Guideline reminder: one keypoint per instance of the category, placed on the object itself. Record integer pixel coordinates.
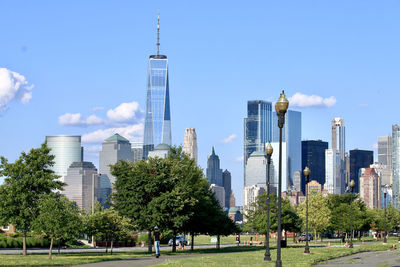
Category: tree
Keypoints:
(58, 219)
(319, 214)
(257, 215)
(26, 180)
(107, 225)
(158, 192)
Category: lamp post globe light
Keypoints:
(384, 204)
(352, 184)
(268, 151)
(307, 173)
(281, 107)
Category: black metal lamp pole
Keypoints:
(384, 203)
(281, 107)
(307, 175)
(268, 151)
(352, 184)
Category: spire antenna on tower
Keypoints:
(158, 34)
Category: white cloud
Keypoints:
(301, 100)
(240, 159)
(92, 150)
(75, 119)
(229, 139)
(126, 112)
(13, 86)
(131, 132)
(97, 109)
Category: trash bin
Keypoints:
(283, 244)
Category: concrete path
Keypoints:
(366, 259)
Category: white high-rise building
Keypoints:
(250, 194)
(385, 150)
(333, 179)
(190, 143)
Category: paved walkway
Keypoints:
(366, 259)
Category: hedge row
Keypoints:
(16, 242)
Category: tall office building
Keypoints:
(338, 144)
(66, 149)
(291, 135)
(114, 148)
(190, 143)
(257, 127)
(385, 150)
(219, 194)
(157, 125)
(359, 159)
(83, 185)
(333, 179)
(137, 150)
(227, 184)
(396, 164)
(313, 157)
(256, 169)
(213, 171)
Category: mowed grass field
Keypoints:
(291, 256)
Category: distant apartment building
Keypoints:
(385, 150)
(384, 172)
(370, 188)
(313, 187)
(250, 194)
(137, 150)
(160, 151)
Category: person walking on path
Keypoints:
(157, 238)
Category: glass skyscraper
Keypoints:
(257, 127)
(157, 126)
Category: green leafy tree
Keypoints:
(378, 218)
(58, 219)
(26, 180)
(108, 225)
(319, 214)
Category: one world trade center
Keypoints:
(157, 125)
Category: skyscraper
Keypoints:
(333, 180)
(66, 149)
(370, 187)
(338, 144)
(227, 183)
(256, 169)
(359, 159)
(396, 164)
(82, 185)
(213, 171)
(190, 143)
(291, 135)
(257, 127)
(385, 150)
(114, 148)
(313, 156)
(157, 125)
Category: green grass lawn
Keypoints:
(292, 256)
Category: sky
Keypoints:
(80, 67)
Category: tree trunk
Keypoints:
(111, 246)
(294, 238)
(59, 245)
(315, 236)
(106, 245)
(149, 249)
(174, 242)
(218, 241)
(192, 242)
(24, 244)
(51, 248)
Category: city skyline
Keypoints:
(88, 71)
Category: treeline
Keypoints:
(325, 215)
(170, 193)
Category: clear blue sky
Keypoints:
(88, 57)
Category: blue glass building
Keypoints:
(291, 134)
(157, 126)
(257, 127)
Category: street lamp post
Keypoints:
(281, 107)
(307, 175)
(352, 184)
(384, 203)
(268, 151)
